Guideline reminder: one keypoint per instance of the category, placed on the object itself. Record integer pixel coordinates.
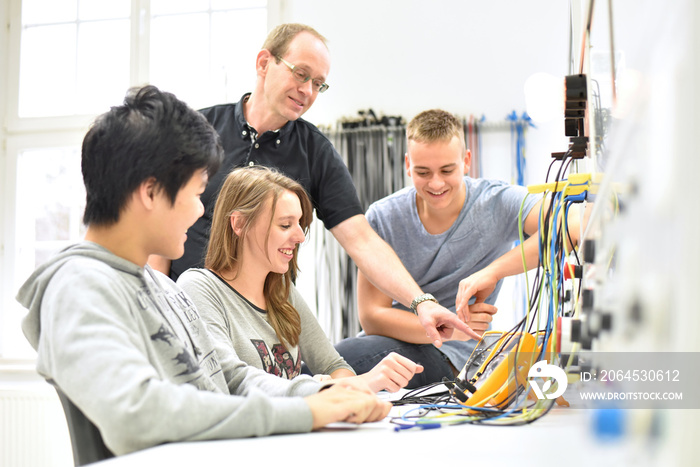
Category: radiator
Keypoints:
(33, 430)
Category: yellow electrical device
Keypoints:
(497, 368)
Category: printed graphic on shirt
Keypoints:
(186, 368)
(185, 358)
(279, 361)
(182, 352)
(164, 335)
(210, 363)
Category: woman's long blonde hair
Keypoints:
(247, 191)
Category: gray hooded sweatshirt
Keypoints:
(128, 347)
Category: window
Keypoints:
(70, 60)
(214, 61)
(74, 56)
(45, 217)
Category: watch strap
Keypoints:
(420, 299)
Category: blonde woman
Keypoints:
(245, 292)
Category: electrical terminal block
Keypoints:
(580, 178)
(596, 180)
(575, 185)
(540, 188)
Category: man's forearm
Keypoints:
(377, 260)
(388, 274)
(383, 268)
(394, 323)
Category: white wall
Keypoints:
(400, 57)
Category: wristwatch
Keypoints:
(420, 299)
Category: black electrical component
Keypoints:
(575, 109)
(575, 114)
(569, 359)
(576, 88)
(586, 299)
(578, 146)
(571, 126)
(455, 391)
(587, 343)
(635, 312)
(575, 330)
(578, 271)
(465, 385)
(589, 250)
(593, 324)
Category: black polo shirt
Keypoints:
(298, 149)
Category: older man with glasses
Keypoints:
(265, 128)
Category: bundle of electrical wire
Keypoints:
(435, 405)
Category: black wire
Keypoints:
(416, 396)
(434, 400)
(568, 234)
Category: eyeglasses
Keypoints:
(302, 76)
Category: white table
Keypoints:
(564, 436)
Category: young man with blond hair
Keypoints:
(444, 228)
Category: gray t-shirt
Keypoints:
(485, 229)
(235, 322)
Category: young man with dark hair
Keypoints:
(122, 341)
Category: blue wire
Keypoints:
(420, 426)
(517, 131)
